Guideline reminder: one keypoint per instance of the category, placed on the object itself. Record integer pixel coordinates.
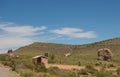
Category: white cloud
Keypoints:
(75, 33)
(9, 42)
(21, 30)
(13, 35)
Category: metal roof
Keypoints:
(40, 56)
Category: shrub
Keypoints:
(28, 65)
(100, 74)
(91, 69)
(104, 66)
(5, 63)
(98, 64)
(71, 75)
(2, 57)
(118, 71)
(79, 63)
(52, 59)
(54, 70)
(27, 75)
(112, 65)
(58, 72)
(13, 67)
(40, 67)
(104, 74)
(83, 72)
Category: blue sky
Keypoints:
(23, 22)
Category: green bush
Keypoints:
(83, 72)
(100, 74)
(98, 64)
(71, 75)
(2, 57)
(79, 63)
(27, 75)
(104, 74)
(58, 72)
(112, 65)
(54, 70)
(13, 67)
(40, 67)
(52, 59)
(118, 71)
(91, 69)
(28, 65)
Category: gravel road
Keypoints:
(5, 72)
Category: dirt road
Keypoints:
(5, 72)
(71, 67)
(66, 67)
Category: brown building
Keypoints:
(40, 59)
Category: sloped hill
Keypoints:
(80, 53)
(40, 48)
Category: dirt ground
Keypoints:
(6, 72)
(65, 67)
(71, 67)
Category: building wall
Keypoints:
(44, 60)
(41, 60)
(34, 60)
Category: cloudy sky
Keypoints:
(23, 22)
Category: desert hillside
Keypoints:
(81, 60)
(86, 53)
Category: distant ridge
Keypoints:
(52, 47)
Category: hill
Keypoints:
(86, 54)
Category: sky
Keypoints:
(76, 22)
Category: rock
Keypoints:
(104, 54)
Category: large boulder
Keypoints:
(104, 54)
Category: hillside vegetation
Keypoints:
(84, 54)
(82, 57)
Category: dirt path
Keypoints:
(5, 72)
(70, 67)
(65, 67)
